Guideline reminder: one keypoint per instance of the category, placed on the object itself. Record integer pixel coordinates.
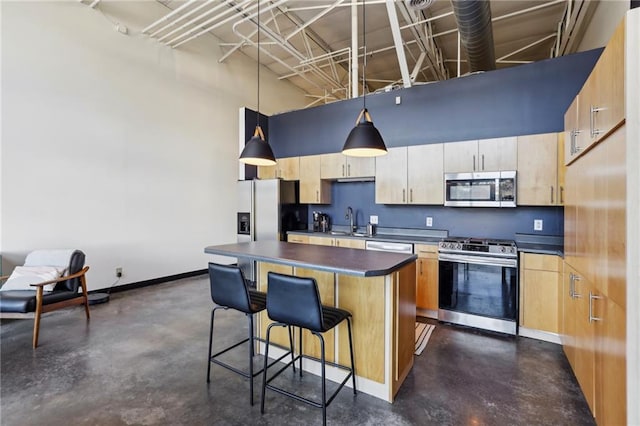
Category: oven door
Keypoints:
(480, 291)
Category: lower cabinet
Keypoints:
(594, 335)
(337, 242)
(300, 239)
(427, 280)
(540, 296)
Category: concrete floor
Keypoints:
(142, 361)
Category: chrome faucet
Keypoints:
(349, 216)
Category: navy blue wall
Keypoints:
(526, 99)
(459, 221)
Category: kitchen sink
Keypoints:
(339, 233)
(359, 234)
(353, 234)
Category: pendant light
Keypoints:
(364, 140)
(257, 151)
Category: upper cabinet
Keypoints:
(286, 169)
(538, 177)
(599, 107)
(410, 175)
(313, 190)
(481, 155)
(339, 166)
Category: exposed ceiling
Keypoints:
(310, 42)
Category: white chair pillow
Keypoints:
(23, 276)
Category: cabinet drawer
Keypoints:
(426, 250)
(541, 262)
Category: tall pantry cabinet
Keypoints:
(593, 308)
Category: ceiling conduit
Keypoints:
(476, 33)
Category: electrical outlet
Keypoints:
(429, 221)
(398, 100)
(118, 272)
(537, 225)
(373, 219)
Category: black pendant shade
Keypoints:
(364, 140)
(257, 151)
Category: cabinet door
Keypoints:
(425, 174)
(361, 167)
(350, 243)
(427, 284)
(461, 156)
(539, 295)
(569, 312)
(537, 170)
(611, 372)
(497, 154)
(562, 169)
(289, 168)
(391, 177)
(333, 166)
(609, 97)
(585, 343)
(268, 172)
(313, 190)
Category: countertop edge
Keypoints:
(277, 260)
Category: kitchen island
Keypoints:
(378, 288)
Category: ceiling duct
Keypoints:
(476, 33)
(418, 4)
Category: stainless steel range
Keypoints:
(478, 283)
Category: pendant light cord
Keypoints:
(364, 56)
(258, 106)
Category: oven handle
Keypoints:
(478, 260)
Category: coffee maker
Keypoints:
(321, 222)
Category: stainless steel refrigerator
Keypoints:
(267, 209)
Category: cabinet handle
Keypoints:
(574, 142)
(411, 195)
(343, 170)
(404, 195)
(348, 169)
(551, 194)
(317, 196)
(561, 195)
(593, 297)
(482, 161)
(571, 284)
(576, 295)
(337, 243)
(474, 163)
(421, 267)
(592, 121)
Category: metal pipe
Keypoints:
(476, 33)
(185, 16)
(166, 17)
(354, 51)
(197, 18)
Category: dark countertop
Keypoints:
(324, 258)
(557, 250)
(378, 237)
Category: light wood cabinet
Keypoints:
(337, 242)
(410, 175)
(300, 239)
(538, 170)
(481, 155)
(313, 190)
(427, 280)
(540, 292)
(286, 169)
(338, 166)
(599, 107)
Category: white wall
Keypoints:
(605, 20)
(116, 144)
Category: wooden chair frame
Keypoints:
(81, 299)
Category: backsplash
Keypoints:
(459, 221)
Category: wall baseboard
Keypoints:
(153, 281)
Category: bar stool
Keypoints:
(295, 301)
(229, 290)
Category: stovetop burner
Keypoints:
(478, 245)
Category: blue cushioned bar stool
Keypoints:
(229, 290)
(295, 301)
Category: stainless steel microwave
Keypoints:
(480, 189)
